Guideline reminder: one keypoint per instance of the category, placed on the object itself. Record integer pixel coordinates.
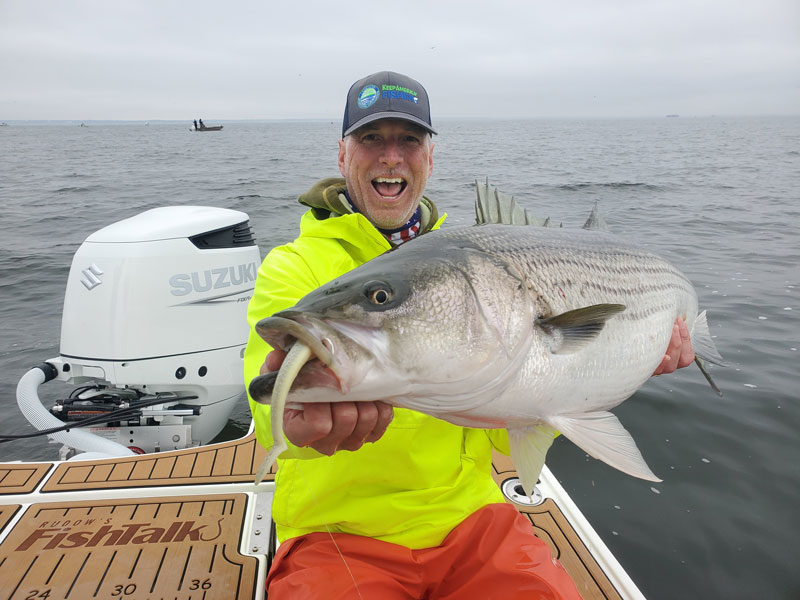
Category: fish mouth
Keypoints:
(343, 354)
(389, 188)
(283, 333)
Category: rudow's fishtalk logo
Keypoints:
(89, 533)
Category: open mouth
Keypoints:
(389, 187)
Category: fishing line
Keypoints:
(328, 529)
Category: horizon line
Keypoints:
(338, 118)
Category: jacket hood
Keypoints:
(327, 199)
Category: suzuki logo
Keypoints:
(204, 281)
(91, 277)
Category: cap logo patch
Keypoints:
(397, 91)
(368, 96)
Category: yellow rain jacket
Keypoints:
(424, 476)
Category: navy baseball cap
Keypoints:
(386, 95)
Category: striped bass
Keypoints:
(530, 329)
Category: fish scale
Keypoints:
(545, 261)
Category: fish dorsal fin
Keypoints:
(573, 329)
(493, 206)
(602, 436)
(596, 221)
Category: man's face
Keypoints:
(386, 165)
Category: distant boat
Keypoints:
(672, 116)
(206, 128)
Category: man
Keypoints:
(414, 512)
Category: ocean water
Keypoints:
(719, 197)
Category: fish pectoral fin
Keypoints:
(529, 446)
(601, 435)
(572, 330)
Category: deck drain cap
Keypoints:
(512, 489)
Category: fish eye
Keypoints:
(380, 296)
(377, 292)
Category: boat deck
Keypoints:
(191, 525)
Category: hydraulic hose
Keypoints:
(31, 406)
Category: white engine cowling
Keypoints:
(157, 303)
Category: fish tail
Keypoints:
(702, 343)
(704, 349)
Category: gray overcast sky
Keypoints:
(163, 59)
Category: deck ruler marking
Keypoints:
(185, 566)
(135, 562)
(211, 564)
(78, 574)
(105, 572)
(25, 574)
(53, 572)
(158, 570)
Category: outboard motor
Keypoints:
(154, 329)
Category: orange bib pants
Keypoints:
(493, 554)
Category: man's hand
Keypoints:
(679, 351)
(330, 426)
